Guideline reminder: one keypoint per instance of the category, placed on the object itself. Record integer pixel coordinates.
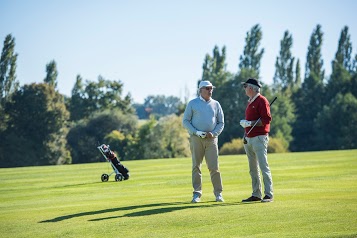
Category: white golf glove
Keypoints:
(201, 134)
(245, 123)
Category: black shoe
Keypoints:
(267, 199)
(252, 199)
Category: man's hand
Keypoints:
(209, 135)
(201, 134)
(245, 123)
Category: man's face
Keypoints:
(248, 89)
(206, 92)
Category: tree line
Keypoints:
(40, 126)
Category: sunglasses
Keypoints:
(208, 88)
(245, 86)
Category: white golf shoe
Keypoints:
(219, 198)
(196, 198)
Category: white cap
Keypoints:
(205, 84)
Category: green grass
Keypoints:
(315, 196)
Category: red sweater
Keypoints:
(259, 108)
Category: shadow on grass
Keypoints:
(164, 208)
(75, 185)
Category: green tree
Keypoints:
(314, 62)
(284, 65)
(120, 143)
(76, 102)
(231, 94)
(283, 118)
(8, 83)
(140, 148)
(342, 67)
(98, 96)
(284, 85)
(233, 100)
(342, 108)
(161, 105)
(344, 52)
(37, 124)
(309, 98)
(84, 137)
(252, 55)
(354, 84)
(297, 83)
(165, 138)
(51, 74)
(214, 67)
(214, 70)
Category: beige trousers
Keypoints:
(208, 148)
(257, 152)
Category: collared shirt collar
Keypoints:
(204, 99)
(252, 100)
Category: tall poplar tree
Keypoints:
(342, 67)
(214, 67)
(283, 86)
(297, 83)
(284, 65)
(314, 62)
(309, 98)
(51, 74)
(252, 55)
(76, 103)
(8, 83)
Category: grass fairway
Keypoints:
(315, 196)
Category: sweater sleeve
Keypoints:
(187, 118)
(220, 121)
(264, 111)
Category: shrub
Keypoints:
(276, 145)
(232, 148)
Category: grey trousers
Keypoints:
(208, 148)
(257, 152)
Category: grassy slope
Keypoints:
(315, 196)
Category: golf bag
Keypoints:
(121, 172)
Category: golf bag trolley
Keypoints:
(120, 171)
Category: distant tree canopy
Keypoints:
(36, 129)
(158, 106)
(90, 97)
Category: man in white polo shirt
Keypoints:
(204, 121)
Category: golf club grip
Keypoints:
(259, 117)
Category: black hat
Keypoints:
(253, 82)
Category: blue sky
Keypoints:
(158, 47)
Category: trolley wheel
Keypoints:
(105, 177)
(119, 177)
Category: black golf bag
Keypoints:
(121, 172)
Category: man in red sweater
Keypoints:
(256, 141)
